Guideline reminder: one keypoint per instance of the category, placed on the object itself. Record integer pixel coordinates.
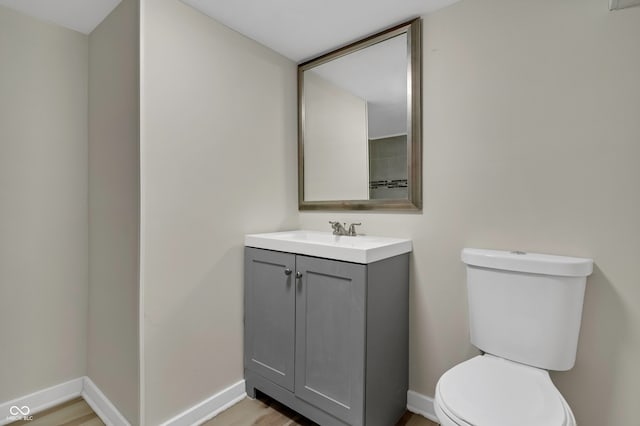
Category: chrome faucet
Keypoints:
(339, 228)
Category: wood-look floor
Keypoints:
(262, 411)
(71, 413)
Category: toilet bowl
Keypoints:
(525, 312)
(490, 391)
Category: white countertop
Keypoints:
(358, 249)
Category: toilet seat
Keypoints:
(491, 391)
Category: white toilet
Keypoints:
(524, 314)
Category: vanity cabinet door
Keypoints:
(270, 315)
(330, 336)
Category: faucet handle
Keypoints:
(352, 229)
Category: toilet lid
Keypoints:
(487, 390)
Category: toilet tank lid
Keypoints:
(534, 263)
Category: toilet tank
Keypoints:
(526, 307)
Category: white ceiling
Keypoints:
(298, 29)
(303, 29)
(79, 15)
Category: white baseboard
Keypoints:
(210, 407)
(55, 395)
(421, 404)
(40, 400)
(107, 412)
(199, 413)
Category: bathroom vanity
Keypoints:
(326, 325)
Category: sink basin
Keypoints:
(359, 249)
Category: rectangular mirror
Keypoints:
(359, 124)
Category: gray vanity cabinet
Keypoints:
(328, 338)
(269, 312)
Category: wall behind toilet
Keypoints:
(531, 142)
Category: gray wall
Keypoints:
(218, 152)
(114, 168)
(531, 142)
(43, 204)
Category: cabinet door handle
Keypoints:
(298, 274)
(287, 271)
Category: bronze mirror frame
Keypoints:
(413, 31)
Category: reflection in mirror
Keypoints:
(359, 139)
(355, 117)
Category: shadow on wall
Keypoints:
(603, 333)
